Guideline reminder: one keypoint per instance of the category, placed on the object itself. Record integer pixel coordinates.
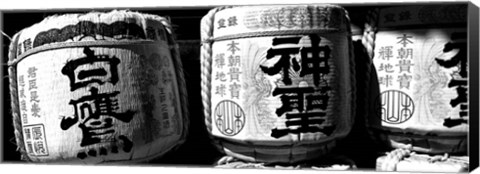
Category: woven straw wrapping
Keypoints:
(97, 88)
(418, 36)
(403, 160)
(244, 123)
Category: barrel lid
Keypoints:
(71, 29)
(262, 20)
(422, 16)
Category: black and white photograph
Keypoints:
(243, 86)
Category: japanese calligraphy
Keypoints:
(32, 87)
(304, 107)
(396, 72)
(220, 76)
(21, 83)
(35, 140)
(294, 99)
(32, 72)
(91, 111)
(27, 133)
(21, 95)
(405, 53)
(235, 90)
(29, 147)
(96, 111)
(285, 58)
(220, 90)
(460, 59)
(232, 21)
(220, 60)
(404, 40)
(35, 109)
(23, 108)
(222, 22)
(386, 67)
(459, 78)
(316, 64)
(404, 81)
(106, 72)
(386, 80)
(390, 17)
(38, 135)
(228, 71)
(404, 15)
(27, 44)
(233, 47)
(234, 74)
(233, 61)
(386, 52)
(404, 65)
(23, 105)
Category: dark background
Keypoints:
(197, 150)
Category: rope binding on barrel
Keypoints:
(206, 61)
(14, 59)
(17, 122)
(61, 45)
(270, 33)
(397, 155)
(370, 31)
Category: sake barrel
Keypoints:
(420, 55)
(277, 81)
(97, 88)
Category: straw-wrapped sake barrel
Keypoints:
(277, 81)
(420, 55)
(97, 87)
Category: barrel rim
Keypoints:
(418, 133)
(60, 45)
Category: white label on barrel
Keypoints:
(423, 79)
(96, 104)
(279, 88)
(413, 16)
(35, 140)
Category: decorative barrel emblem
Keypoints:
(230, 118)
(396, 106)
